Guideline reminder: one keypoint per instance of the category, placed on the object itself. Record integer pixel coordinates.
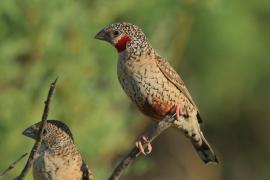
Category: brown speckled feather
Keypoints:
(174, 78)
(87, 174)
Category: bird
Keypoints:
(154, 86)
(57, 158)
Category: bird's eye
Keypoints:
(115, 33)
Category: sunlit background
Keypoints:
(221, 49)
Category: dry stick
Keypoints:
(40, 132)
(135, 152)
(11, 166)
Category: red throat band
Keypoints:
(122, 42)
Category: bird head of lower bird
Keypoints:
(56, 134)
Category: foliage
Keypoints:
(220, 47)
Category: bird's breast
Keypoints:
(147, 87)
(52, 167)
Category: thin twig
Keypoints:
(135, 152)
(11, 166)
(40, 132)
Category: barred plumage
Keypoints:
(152, 84)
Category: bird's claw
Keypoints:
(180, 111)
(140, 143)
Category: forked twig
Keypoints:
(11, 166)
(40, 132)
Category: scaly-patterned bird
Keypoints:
(57, 157)
(155, 87)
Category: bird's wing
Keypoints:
(174, 78)
(87, 174)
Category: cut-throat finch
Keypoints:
(154, 86)
(57, 158)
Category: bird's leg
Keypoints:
(140, 142)
(179, 112)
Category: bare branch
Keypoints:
(134, 152)
(40, 132)
(11, 166)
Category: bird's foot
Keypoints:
(180, 111)
(140, 143)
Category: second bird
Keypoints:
(153, 85)
(57, 157)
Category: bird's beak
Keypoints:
(31, 131)
(103, 35)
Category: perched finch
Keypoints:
(153, 85)
(57, 157)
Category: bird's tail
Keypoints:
(204, 150)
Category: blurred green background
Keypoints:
(221, 48)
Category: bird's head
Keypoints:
(123, 36)
(55, 134)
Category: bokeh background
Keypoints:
(221, 49)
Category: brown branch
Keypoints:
(134, 152)
(11, 166)
(40, 132)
